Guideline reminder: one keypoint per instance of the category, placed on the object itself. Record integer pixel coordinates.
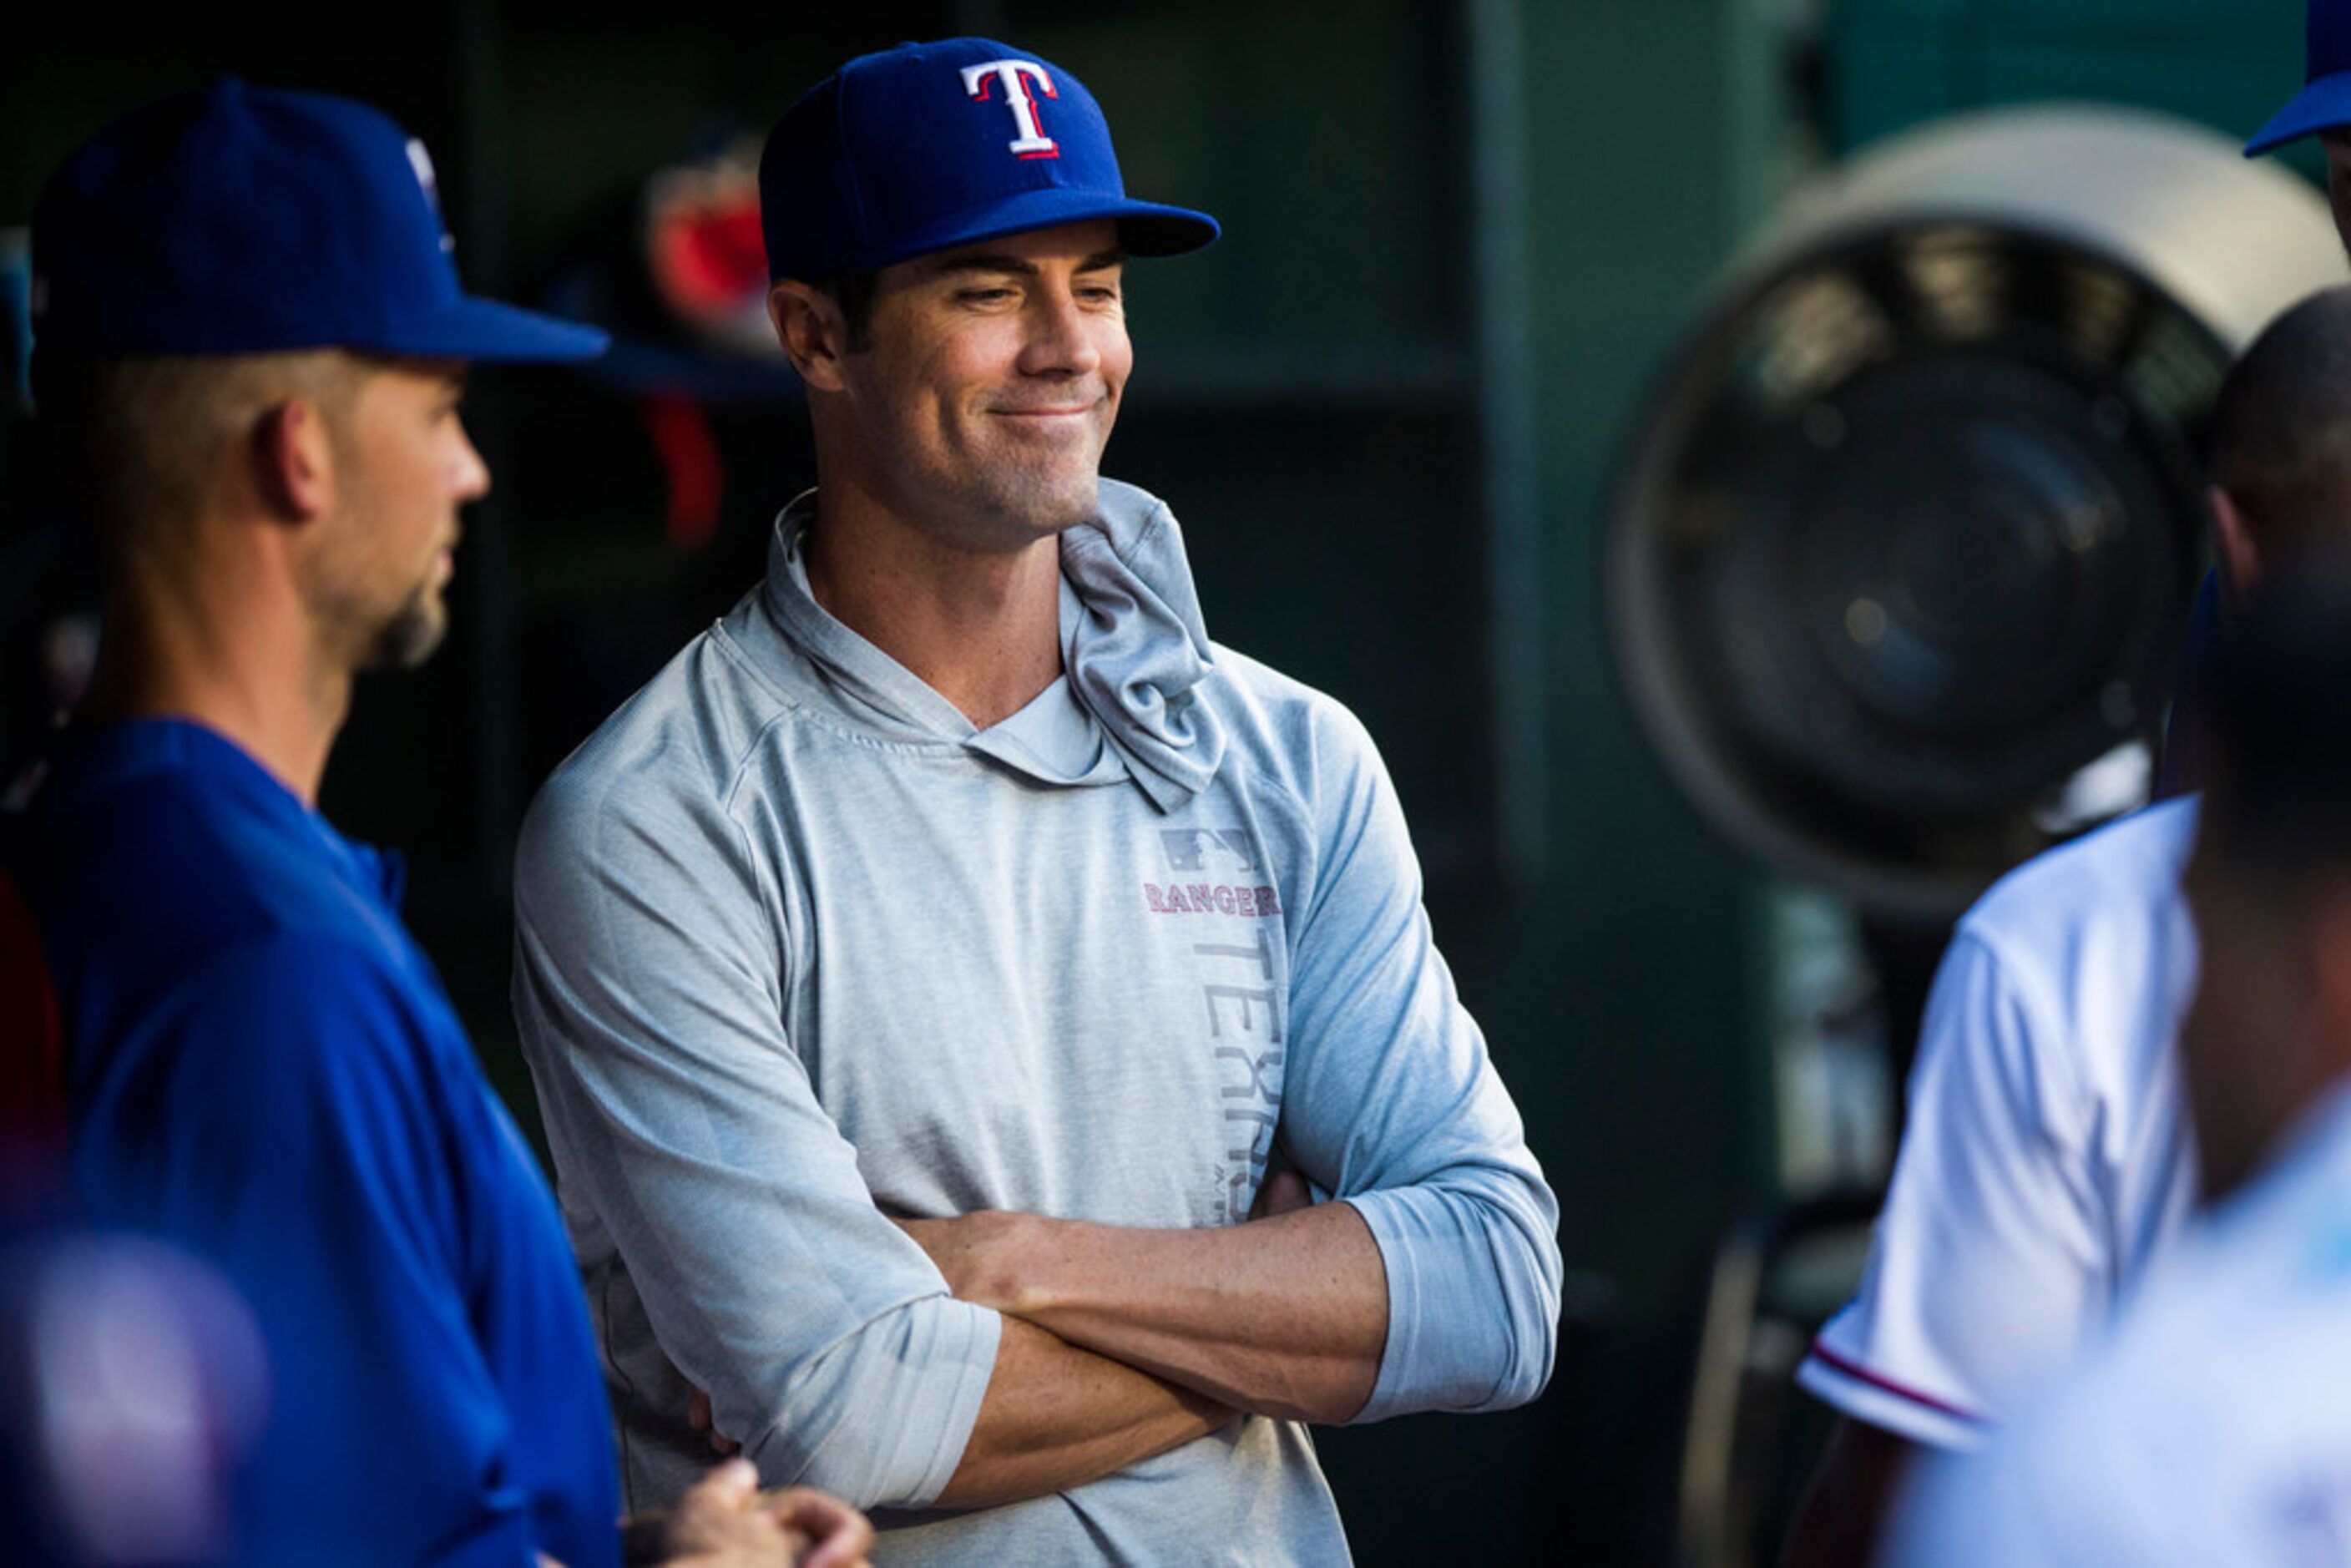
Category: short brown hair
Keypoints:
(135, 438)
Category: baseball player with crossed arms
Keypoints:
(920, 973)
(2047, 1161)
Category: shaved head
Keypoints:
(2282, 431)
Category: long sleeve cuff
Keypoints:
(883, 1418)
(1473, 1302)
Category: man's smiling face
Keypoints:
(980, 407)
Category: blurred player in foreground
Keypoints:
(2046, 1159)
(2212, 1428)
(251, 346)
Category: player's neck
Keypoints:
(980, 628)
(244, 663)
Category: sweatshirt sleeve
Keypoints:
(1393, 1104)
(648, 989)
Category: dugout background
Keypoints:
(1458, 237)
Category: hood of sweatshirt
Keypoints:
(1133, 653)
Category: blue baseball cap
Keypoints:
(245, 220)
(928, 146)
(2325, 102)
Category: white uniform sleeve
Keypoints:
(648, 992)
(1391, 1102)
(1990, 1260)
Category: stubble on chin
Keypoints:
(412, 634)
(1065, 506)
(1016, 507)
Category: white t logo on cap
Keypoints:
(1032, 141)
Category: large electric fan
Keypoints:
(1902, 558)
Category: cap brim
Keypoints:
(2322, 106)
(1147, 228)
(484, 329)
(1144, 228)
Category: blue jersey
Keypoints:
(262, 1067)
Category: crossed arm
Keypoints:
(1060, 1351)
(1120, 1344)
(1284, 1316)
(1056, 1417)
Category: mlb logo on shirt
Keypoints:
(1200, 849)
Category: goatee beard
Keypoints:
(409, 638)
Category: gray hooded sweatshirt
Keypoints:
(799, 950)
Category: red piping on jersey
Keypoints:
(1861, 1373)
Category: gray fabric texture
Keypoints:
(799, 950)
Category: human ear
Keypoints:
(812, 330)
(293, 461)
(2241, 563)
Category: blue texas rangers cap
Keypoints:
(242, 220)
(926, 146)
(2325, 101)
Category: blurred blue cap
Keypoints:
(244, 220)
(2325, 101)
(928, 146)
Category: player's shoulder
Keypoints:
(153, 846)
(675, 747)
(293, 980)
(1272, 697)
(258, 1029)
(2122, 876)
(1281, 728)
